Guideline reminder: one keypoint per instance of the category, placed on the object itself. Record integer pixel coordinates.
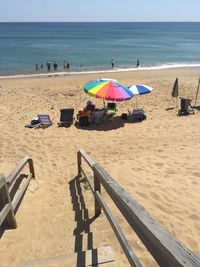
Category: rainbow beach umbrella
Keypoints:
(108, 89)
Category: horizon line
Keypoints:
(164, 21)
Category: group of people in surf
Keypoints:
(66, 66)
(113, 63)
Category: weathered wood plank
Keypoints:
(31, 167)
(166, 250)
(11, 177)
(97, 188)
(132, 258)
(89, 161)
(21, 192)
(96, 203)
(79, 163)
(4, 213)
(2, 181)
(9, 220)
(88, 179)
(117, 230)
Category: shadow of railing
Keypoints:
(164, 248)
(83, 223)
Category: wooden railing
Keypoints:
(8, 205)
(165, 249)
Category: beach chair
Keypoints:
(111, 109)
(186, 107)
(137, 115)
(44, 121)
(66, 117)
(98, 116)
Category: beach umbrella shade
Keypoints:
(140, 89)
(108, 89)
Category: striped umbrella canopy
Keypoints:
(108, 89)
(139, 89)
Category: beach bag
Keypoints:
(83, 121)
(35, 121)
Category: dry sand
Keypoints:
(156, 161)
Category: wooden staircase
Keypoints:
(95, 257)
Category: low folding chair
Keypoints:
(111, 109)
(66, 117)
(44, 121)
(186, 107)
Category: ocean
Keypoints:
(90, 47)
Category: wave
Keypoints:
(81, 72)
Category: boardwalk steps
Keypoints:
(94, 257)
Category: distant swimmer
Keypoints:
(64, 65)
(48, 65)
(41, 66)
(68, 64)
(55, 65)
(112, 63)
(138, 63)
(36, 67)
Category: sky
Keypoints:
(98, 10)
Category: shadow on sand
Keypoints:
(109, 124)
(82, 229)
(171, 108)
(196, 107)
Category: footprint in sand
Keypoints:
(194, 217)
(170, 171)
(159, 164)
(196, 174)
(155, 196)
(141, 194)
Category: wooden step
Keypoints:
(95, 257)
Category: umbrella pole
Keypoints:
(104, 103)
(136, 102)
(197, 92)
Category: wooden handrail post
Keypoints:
(79, 163)
(31, 167)
(97, 187)
(9, 221)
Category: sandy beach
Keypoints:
(156, 161)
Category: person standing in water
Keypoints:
(112, 63)
(68, 65)
(138, 63)
(65, 65)
(48, 65)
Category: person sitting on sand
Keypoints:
(89, 106)
(87, 111)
